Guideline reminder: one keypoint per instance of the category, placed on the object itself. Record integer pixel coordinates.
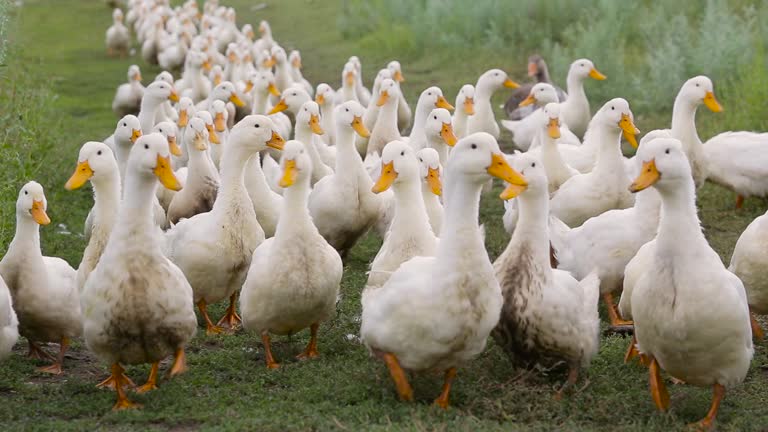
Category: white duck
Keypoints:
(266, 202)
(363, 94)
(308, 132)
(548, 315)
(372, 110)
(558, 171)
(118, 39)
(154, 96)
(220, 114)
(128, 96)
(410, 233)
(294, 278)
(465, 101)
(575, 109)
(691, 314)
(324, 96)
(605, 187)
(294, 58)
(214, 249)
(385, 128)
(169, 131)
(429, 99)
(9, 323)
(525, 132)
(438, 130)
(186, 111)
(137, 305)
(736, 160)
(348, 81)
(404, 115)
(431, 172)
(484, 119)
(44, 289)
(748, 262)
(398, 318)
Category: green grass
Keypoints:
(55, 94)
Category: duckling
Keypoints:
(465, 100)
(137, 304)
(128, 96)
(9, 323)
(431, 172)
(118, 38)
(484, 120)
(294, 277)
(548, 315)
(44, 289)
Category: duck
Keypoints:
(186, 111)
(558, 171)
(370, 118)
(385, 127)
(537, 69)
(202, 181)
(294, 58)
(548, 315)
(363, 94)
(225, 92)
(128, 96)
(324, 96)
(96, 163)
(342, 205)
(137, 305)
(194, 84)
(214, 249)
(575, 109)
(265, 42)
(484, 120)
(431, 172)
(605, 187)
(465, 100)
(154, 96)
(218, 110)
(308, 132)
(748, 263)
(173, 56)
(9, 322)
(44, 289)
(283, 78)
(438, 129)
(294, 277)
(169, 131)
(404, 115)
(398, 318)
(429, 99)
(525, 132)
(266, 202)
(118, 38)
(410, 233)
(691, 314)
(213, 136)
(166, 112)
(347, 91)
(734, 160)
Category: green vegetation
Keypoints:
(55, 94)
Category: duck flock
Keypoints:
(245, 216)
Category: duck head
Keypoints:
(430, 170)
(32, 203)
(350, 115)
(295, 164)
(95, 162)
(551, 121)
(698, 90)
(256, 133)
(169, 131)
(128, 130)
(161, 91)
(540, 95)
(433, 98)
(664, 165)
(583, 68)
(616, 114)
(535, 176)
(324, 94)
(150, 157)
(186, 110)
(292, 99)
(477, 158)
(398, 165)
(226, 92)
(438, 125)
(309, 115)
(495, 79)
(197, 134)
(466, 99)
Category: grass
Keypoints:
(55, 94)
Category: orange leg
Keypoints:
(718, 393)
(55, 368)
(231, 319)
(151, 381)
(757, 329)
(739, 201)
(122, 400)
(179, 363)
(311, 350)
(613, 313)
(118, 377)
(404, 389)
(658, 388)
(37, 353)
(210, 328)
(271, 363)
(573, 375)
(442, 400)
(632, 351)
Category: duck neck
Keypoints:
(295, 204)
(106, 200)
(348, 161)
(679, 226)
(460, 230)
(260, 99)
(135, 219)
(684, 124)
(532, 230)
(542, 74)
(305, 136)
(409, 206)
(26, 240)
(609, 158)
(199, 168)
(348, 92)
(550, 153)
(122, 152)
(147, 113)
(232, 189)
(437, 143)
(576, 89)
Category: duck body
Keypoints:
(128, 96)
(748, 262)
(736, 160)
(9, 322)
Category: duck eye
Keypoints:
(421, 160)
(435, 117)
(256, 125)
(146, 146)
(474, 146)
(346, 109)
(613, 108)
(533, 165)
(26, 193)
(697, 84)
(666, 151)
(125, 124)
(402, 153)
(98, 153)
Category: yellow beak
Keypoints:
(469, 106)
(314, 124)
(207, 65)
(280, 107)
(433, 179)
(248, 86)
(165, 174)
(595, 74)
(531, 99)
(712, 103)
(173, 147)
(387, 177)
(512, 191)
(83, 172)
(320, 99)
(137, 77)
(135, 134)
(276, 142)
(212, 136)
(200, 142)
(232, 57)
(217, 80)
(350, 78)
(174, 97)
(273, 90)
(648, 176)
(359, 127)
(289, 174)
(628, 129)
(236, 100)
(508, 83)
(446, 133)
(383, 98)
(268, 63)
(183, 118)
(443, 103)
(38, 213)
(219, 123)
(296, 63)
(499, 168)
(399, 76)
(554, 128)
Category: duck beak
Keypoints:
(173, 97)
(207, 65)
(296, 63)
(236, 100)
(216, 80)
(595, 74)
(314, 124)
(712, 103)
(508, 83)
(350, 77)
(173, 147)
(512, 191)
(289, 174)
(137, 77)
(280, 107)
(387, 177)
(531, 99)
(135, 134)
(276, 142)
(383, 98)
(200, 142)
(38, 213)
(218, 122)
(359, 127)
(165, 174)
(628, 129)
(232, 57)
(212, 136)
(320, 99)
(469, 106)
(399, 76)
(268, 63)
(273, 90)
(183, 118)
(499, 168)
(82, 174)
(554, 128)
(443, 103)
(648, 176)
(532, 69)
(433, 180)
(248, 86)
(446, 133)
